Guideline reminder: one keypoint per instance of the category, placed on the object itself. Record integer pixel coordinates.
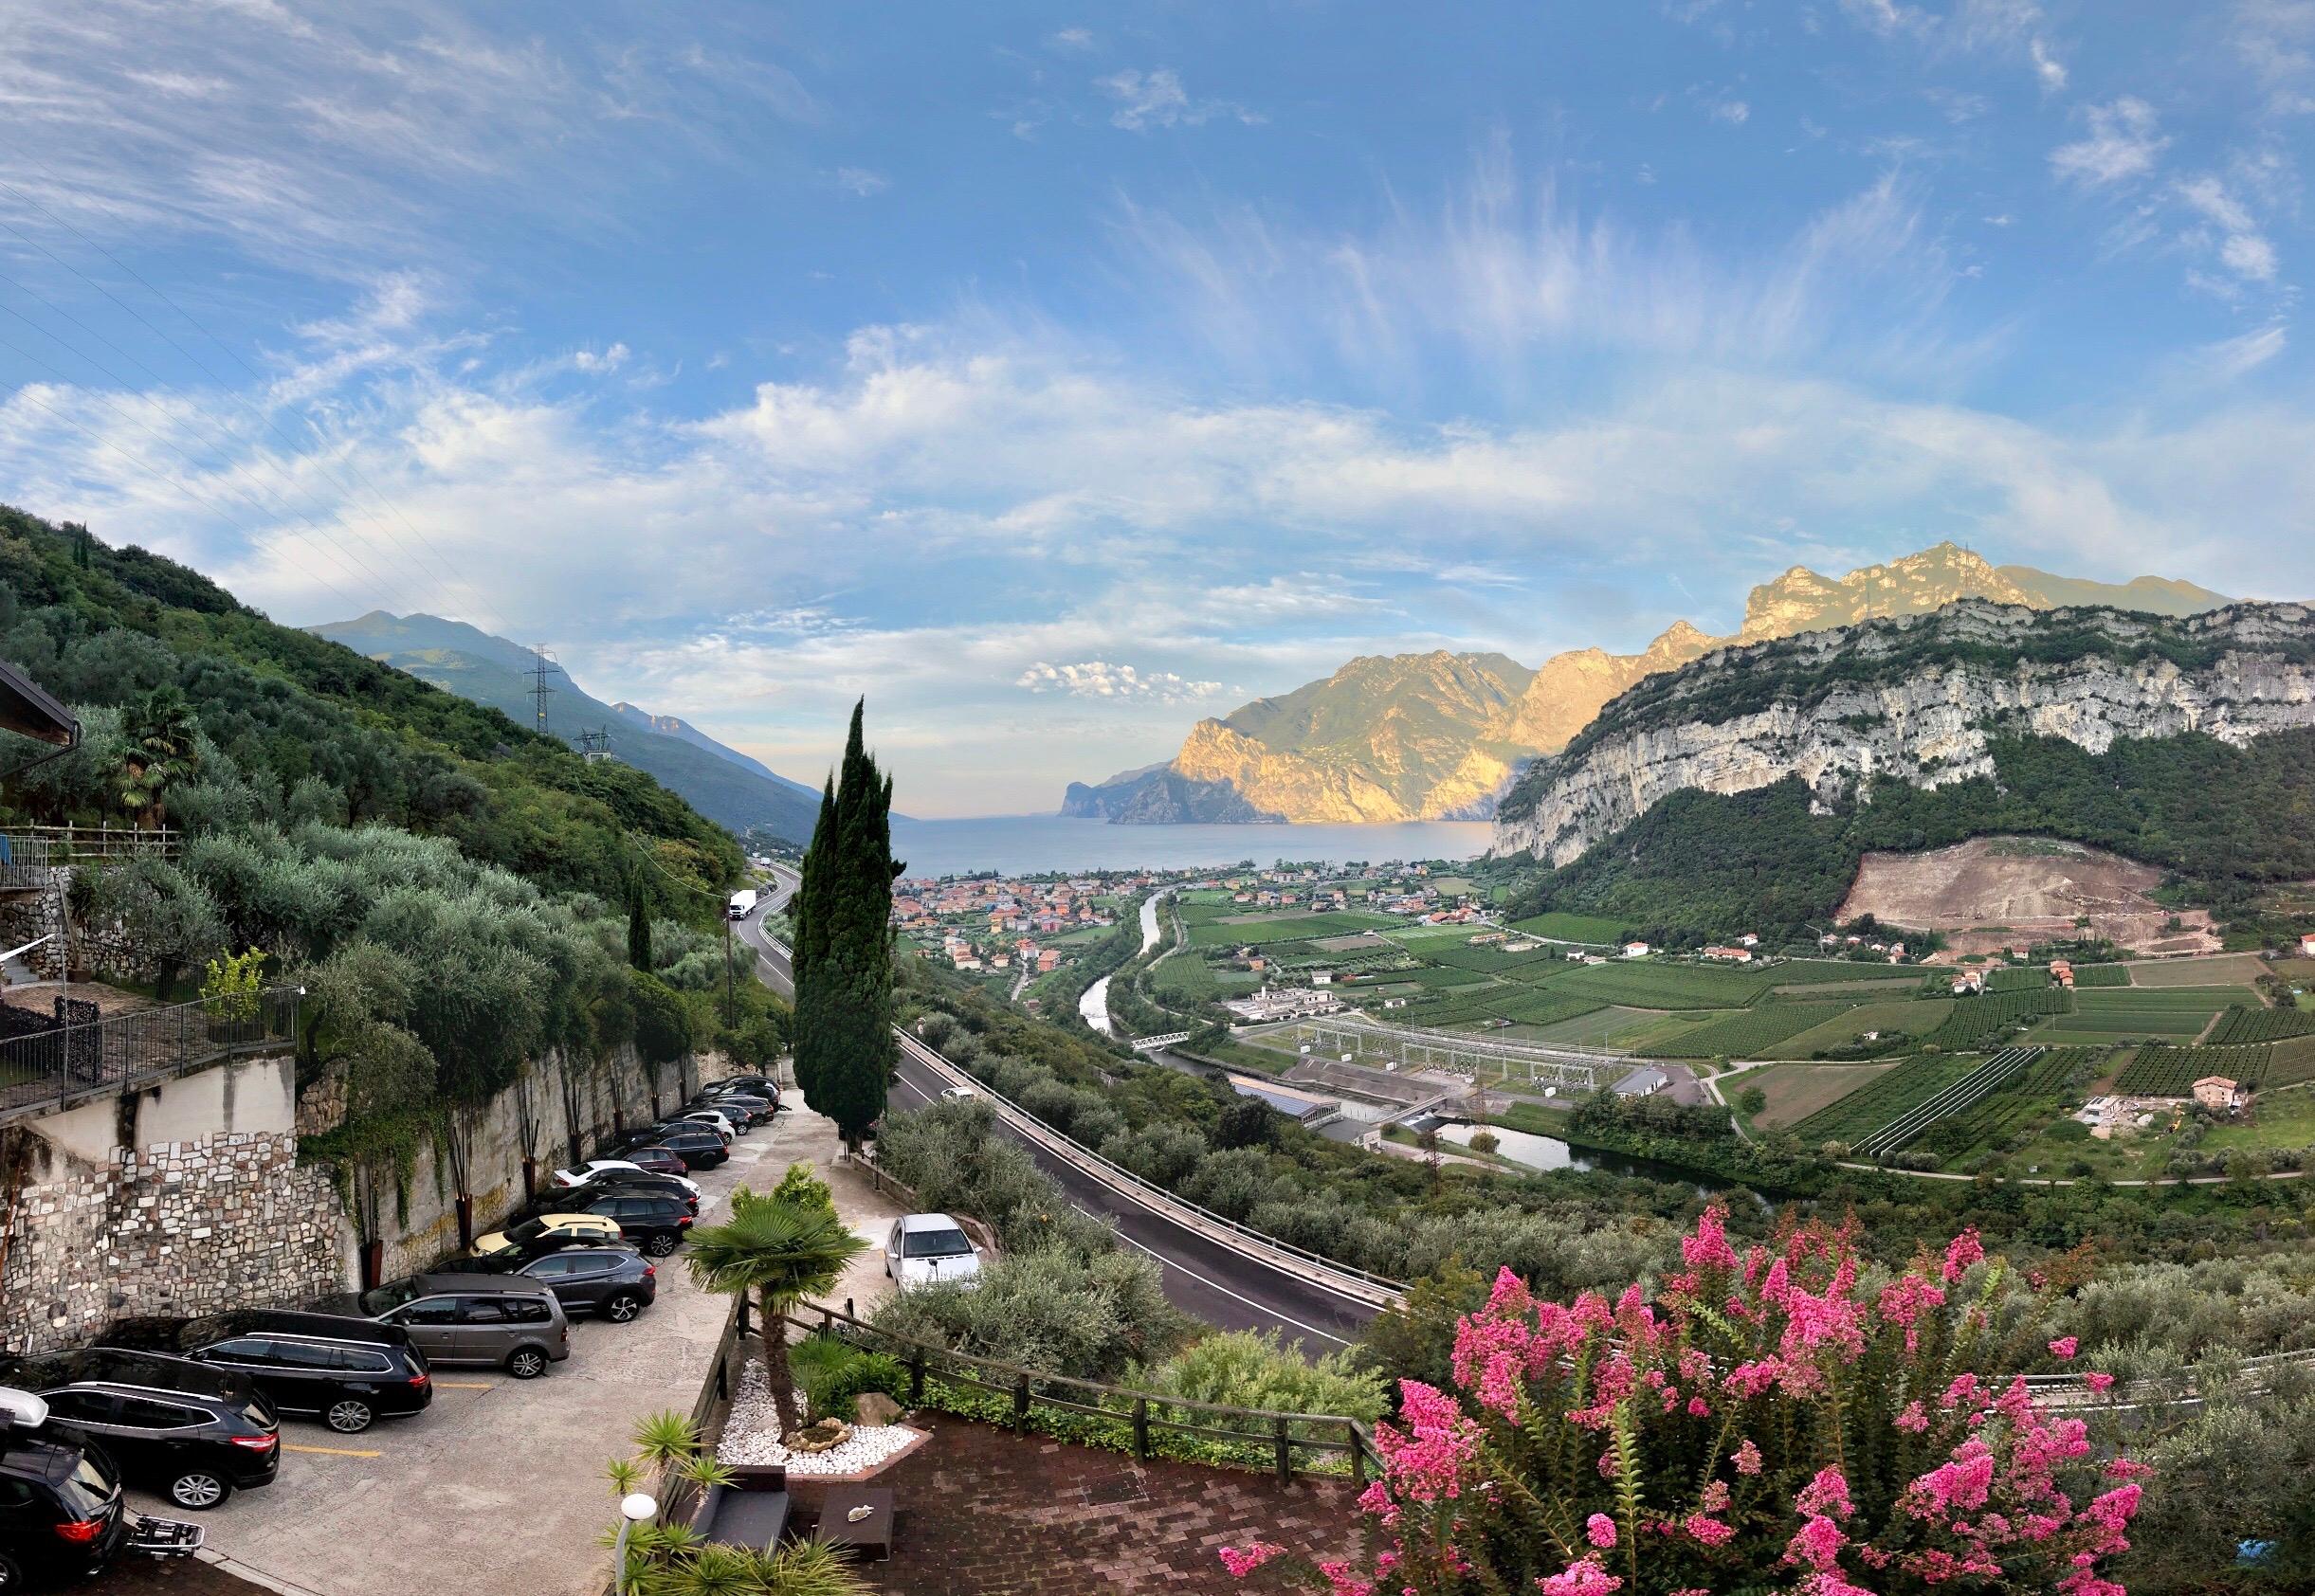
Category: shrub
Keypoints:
(1241, 1368)
(1050, 1310)
(1763, 1424)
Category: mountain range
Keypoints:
(1441, 736)
(721, 783)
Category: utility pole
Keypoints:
(542, 666)
(595, 745)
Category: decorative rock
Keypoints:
(875, 1407)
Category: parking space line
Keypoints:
(465, 1385)
(329, 1451)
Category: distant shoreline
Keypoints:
(1025, 844)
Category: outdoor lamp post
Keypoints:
(636, 1508)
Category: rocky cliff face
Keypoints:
(1916, 698)
(1428, 736)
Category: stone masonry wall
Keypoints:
(177, 1227)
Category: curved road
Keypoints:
(1202, 1277)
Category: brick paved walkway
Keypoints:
(982, 1511)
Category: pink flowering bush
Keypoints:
(1762, 1424)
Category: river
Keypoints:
(1094, 1004)
(1532, 1152)
(1034, 845)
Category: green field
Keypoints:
(2171, 1072)
(2241, 1025)
(1885, 1015)
(1886, 1099)
(1644, 985)
(1750, 1033)
(1572, 928)
(2028, 1097)
(1793, 971)
(1258, 931)
(1974, 1022)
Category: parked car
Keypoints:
(761, 1085)
(626, 1180)
(342, 1369)
(924, 1248)
(744, 1114)
(490, 1319)
(765, 1101)
(598, 1171)
(615, 1283)
(647, 1220)
(659, 1160)
(698, 1147)
(729, 1122)
(61, 1516)
(705, 1119)
(540, 1234)
(193, 1432)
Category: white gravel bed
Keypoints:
(751, 1436)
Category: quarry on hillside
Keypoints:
(1996, 892)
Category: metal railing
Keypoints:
(1361, 1284)
(74, 1058)
(1288, 1443)
(27, 853)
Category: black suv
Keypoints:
(61, 1512)
(698, 1147)
(614, 1284)
(346, 1371)
(604, 1182)
(195, 1433)
(647, 1220)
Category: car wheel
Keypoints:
(526, 1363)
(197, 1490)
(348, 1416)
(622, 1308)
(663, 1243)
(12, 1573)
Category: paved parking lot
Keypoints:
(499, 1486)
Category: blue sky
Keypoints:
(1056, 375)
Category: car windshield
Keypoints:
(934, 1244)
(384, 1299)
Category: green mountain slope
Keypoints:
(299, 725)
(721, 782)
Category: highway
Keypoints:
(1203, 1277)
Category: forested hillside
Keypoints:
(456, 894)
(2226, 820)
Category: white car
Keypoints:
(924, 1249)
(580, 1174)
(958, 1094)
(713, 1120)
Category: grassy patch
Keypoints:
(1641, 985)
(1751, 1032)
(1848, 1025)
(2232, 969)
(1564, 927)
(1797, 1091)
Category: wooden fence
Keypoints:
(1293, 1442)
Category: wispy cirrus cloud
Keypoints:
(1157, 98)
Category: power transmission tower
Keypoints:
(542, 666)
(595, 745)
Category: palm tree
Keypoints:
(160, 737)
(784, 1251)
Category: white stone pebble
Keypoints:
(751, 1434)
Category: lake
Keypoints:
(1032, 844)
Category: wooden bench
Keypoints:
(751, 1510)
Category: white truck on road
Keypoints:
(743, 903)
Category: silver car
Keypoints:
(489, 1319)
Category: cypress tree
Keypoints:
(638, 930)
(844, 1046)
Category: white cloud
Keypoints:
(2238, 357)
(609, 360)
(1098, 678)
(2050, 70)
(861, 181)
(2243, 250)
(1157, 98)
(2122, 144)
(1071, 39)
(1733, 112)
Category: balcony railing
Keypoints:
(27, 853)
(69, 1053)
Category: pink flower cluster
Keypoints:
(1729, 1382)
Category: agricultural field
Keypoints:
(1821, 971)
(1887, 1098)
(2028, 1097)
(1846, 992)
(2024, 977)
(1797, 1091)
(1750, 1033)
(2276, 1119)
(2289, 1063)
(2238, 969)
(1665, 986)
(2171, 1072)
(1258, 931)
(2241, 1025)
(2125, 1014)
(1886, 1016)
(1562, 927)
(1971, 1022)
